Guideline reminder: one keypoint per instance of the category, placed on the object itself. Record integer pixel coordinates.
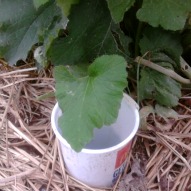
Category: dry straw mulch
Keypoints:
(30, 157)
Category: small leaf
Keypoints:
(20, 30)
(91, 101)
(118, 8)
(158, 39)
(87, 39)
(41, 61)
(165, 112)
(38, 3)
(154, 85)
(66, 5)
(144, 113)
(171, 15)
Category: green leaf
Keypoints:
(122, 41)
(118, 8)
(66, 5)
(154, 85)
(91, 101)
(87, 39)
(170, 14)
(20, 30)
(158, 39)
(49, 34)
(38, 3)
(162, 59)
(166, 112)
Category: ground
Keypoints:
(30, 157)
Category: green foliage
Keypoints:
(38, 3)
(165, 112)
(171, 15)
(66, 5)
(154, 85)
(157, 30)
(85, 41)
(161, 40)
(90, 101)
(118, 8)
(20, 30)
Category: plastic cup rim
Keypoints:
(134, 108)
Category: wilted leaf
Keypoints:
(134, 180)
(154, 85)
(171, 15)
(87, 39)
(164, 126)
(166, 112)
(118, 8)
(144, 113)
(91, 101)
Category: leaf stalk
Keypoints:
(162, 70)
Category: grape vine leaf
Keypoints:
(154, 85)
(171, 15)
(91, 101)
(118, 8)
(87, 39)
(20, 29)
(161, 40)
(38, 3)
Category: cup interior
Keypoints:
(110, 137)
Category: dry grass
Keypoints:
(30, 157)
(168, 153)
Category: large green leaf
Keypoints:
(154, 85)
(90, 34)
(21, 25)
(160, 40)
(118, 8)
(91, 101)
(170, 14)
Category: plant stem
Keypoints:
(163, 70)
(138, 72)
(137, 38)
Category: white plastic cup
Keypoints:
(102, 161)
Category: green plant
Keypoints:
(90, 42)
